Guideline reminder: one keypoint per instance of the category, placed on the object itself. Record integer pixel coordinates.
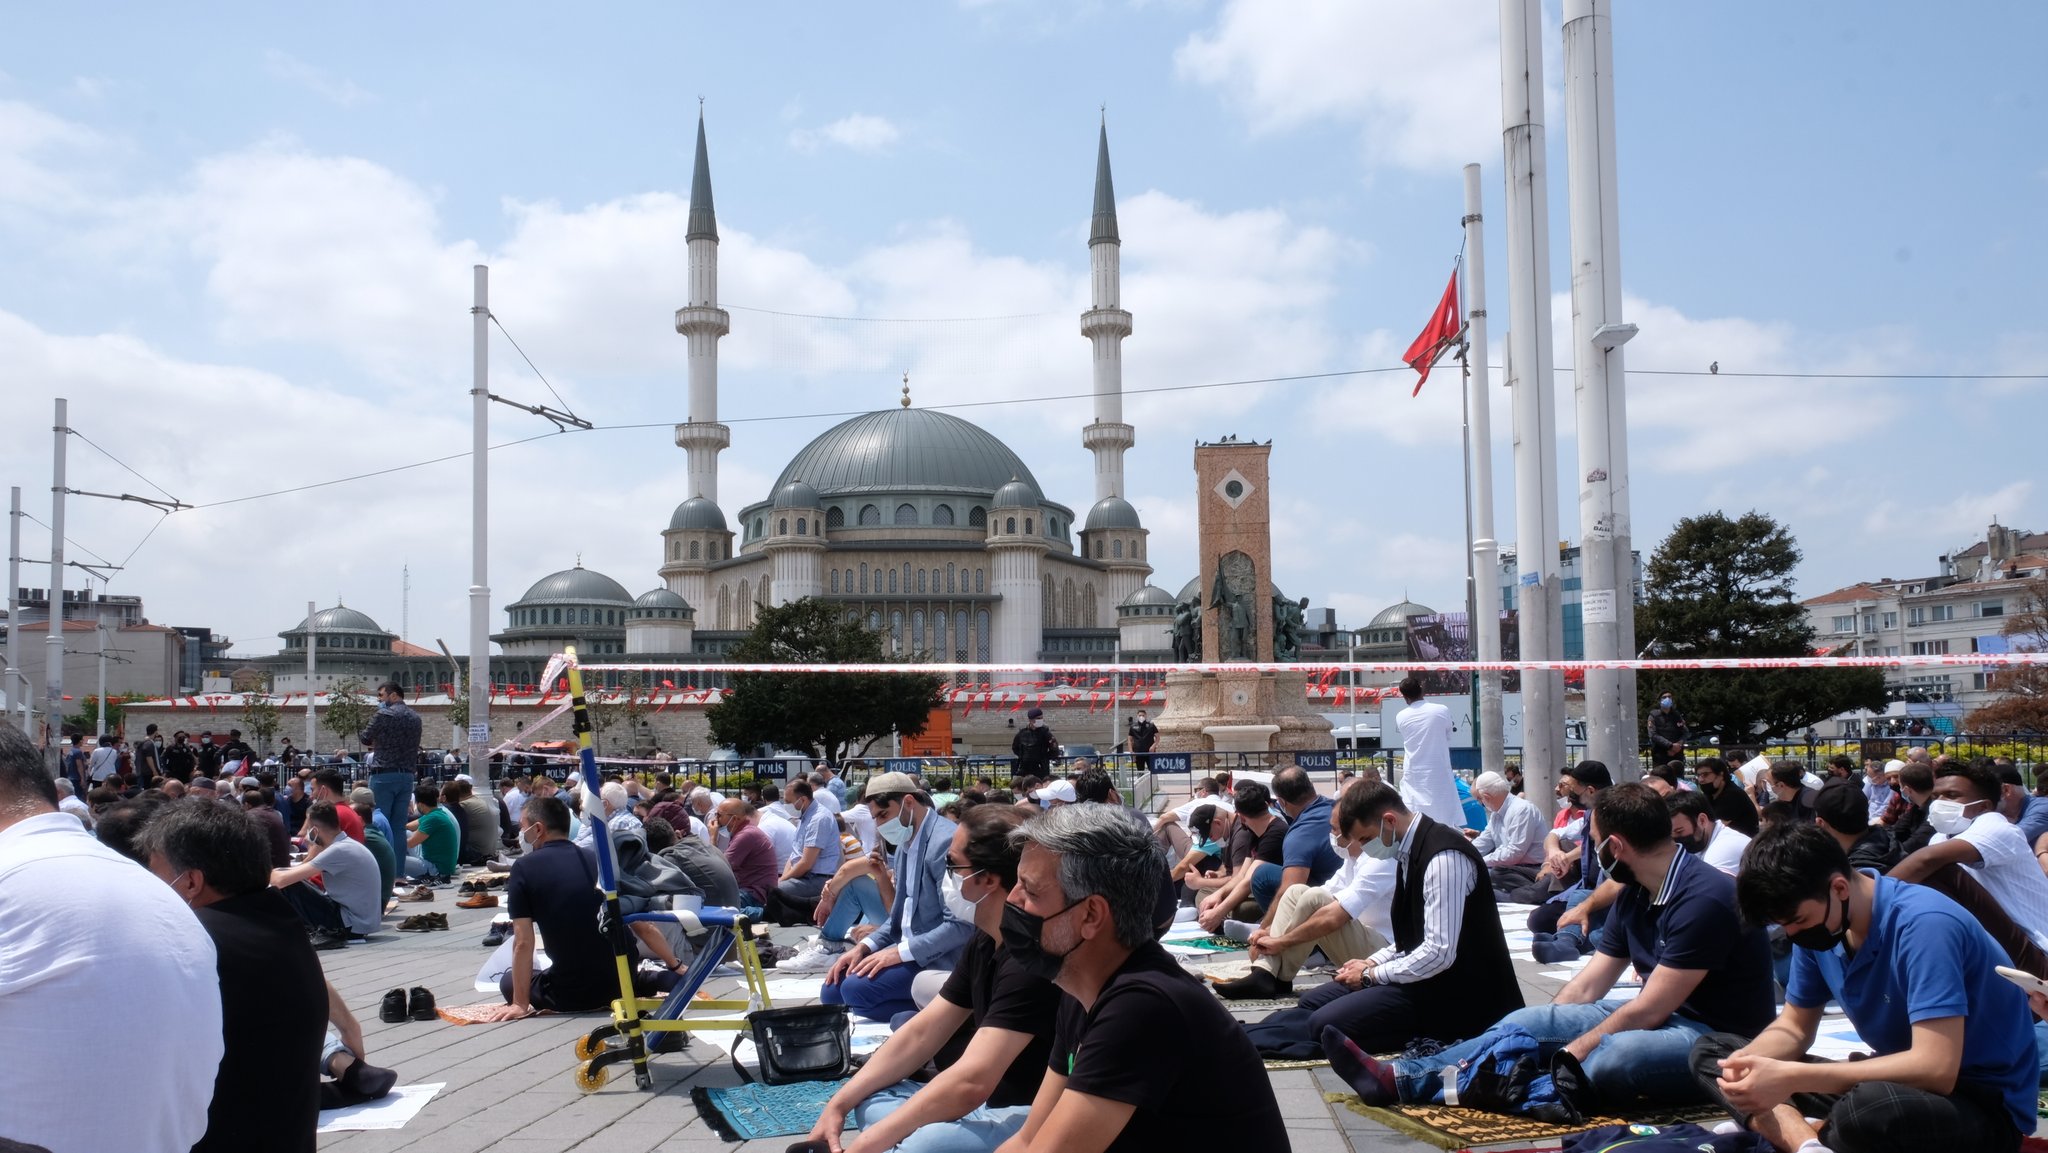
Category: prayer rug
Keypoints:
(1447, 1127)
(748, 1112)
(1281, 1064)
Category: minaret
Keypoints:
(703, 322)
(1105, 325)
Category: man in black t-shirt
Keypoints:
(1260, 836)
(553, 887)
(1008, 1012)
(1140, 1048)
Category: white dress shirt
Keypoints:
(1445, 886)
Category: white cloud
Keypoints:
(1423, 79)
(45, 160)
(337, 90)
(858, 132)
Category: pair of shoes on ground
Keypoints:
(1257, 985)
(400, 1006)
(478, 900)
(327, 940)
(815, 956)
(481, 884)
(423, 923)
(417, 893)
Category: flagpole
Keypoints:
(1471, 582)
(1485, 625)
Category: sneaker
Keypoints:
(496, 936)
(328, 940)
(394, 1008)
(419, 893)
(423, 923)
(813, 958)
(479, 899)
(420, 1007)
(468, 887)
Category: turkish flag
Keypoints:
(1439, 334)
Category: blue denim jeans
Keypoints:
(394, 796)
(1650, 1066)
(859, 903)
(876, 998)
(1265, 883)
(980, 1131)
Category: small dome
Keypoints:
(697, 513)
(1017, 494)
(661, 599)
(797, 494)
(1191, 589)
(1112, 512)
(578, 584)
(1396, 616)
(340, 619)
(1149, 596)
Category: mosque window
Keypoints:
(835, 517)
(949, 578)
(757, 527)
(981, 580)
(921, 574)
(1088, 619)
(1098, 548)
(863, 576)
(906, 513)
(1027, 526)
(917, 630)
(870, 515)
(693, 550)
(981, 636)
(892, 580)
(835, 580)
(1050, 608)
(586, 616)
(896, 631)
(558, 616)
(977, 517)
(875, 620)
(782, 526)
(1052, 527)
(803, 526)
(1116, 550)
(1010, 524)
(943, 514)
(1070, 605)
(849, 580)
(714, 551)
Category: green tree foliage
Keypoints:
(823, 714)
(348, 711)
(261, 717)
(87, 718)
(2022, 704)
(1722, 587)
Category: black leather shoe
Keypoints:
(496, 936)
(394, 1009)
(422, 1004)
(1257, 985)
(328, 940)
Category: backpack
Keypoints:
(1663, 1139)
(1508, 1074)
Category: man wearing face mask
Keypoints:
(1693, 825)
(1995, 861)
(980, 1098)
(873, 978)
(1668, 731)
(1955, 1064)
(1140, 1050)
(1676, 923)
(1033, 746)
(1446, 972)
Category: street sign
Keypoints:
(903, 764)
(1320, 761)
(1172, 763)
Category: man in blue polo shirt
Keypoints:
(1676, 923)
(1306, 857)
(1955, 1063)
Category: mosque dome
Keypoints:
(1016, 494)
(906, 450)
(661, 599)
(1112, 512)
(797, 494)
(697, 513)
(577, 584)
(340, 619)
(1148, 596)
(1396, 616)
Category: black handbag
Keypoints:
(800, 1043)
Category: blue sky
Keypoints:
(240, 244)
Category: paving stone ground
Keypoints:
(510, 1087)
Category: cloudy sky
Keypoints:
(241, 246)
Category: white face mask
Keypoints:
(956, 903)
(894, 830)
(1380, 849)
(1337, 843)
(1947, 816)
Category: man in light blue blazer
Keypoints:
(873, 978)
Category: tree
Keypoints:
(261, 716)
(1721, 587)
(2022, 705)
(821, 713)
(347, 712)
(608, 707)
(87, 718)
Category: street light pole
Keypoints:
(53, 677)
(480, 524)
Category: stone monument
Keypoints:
(1235, 618)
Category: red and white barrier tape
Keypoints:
(1932, 660)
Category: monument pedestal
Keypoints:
(1240, 712)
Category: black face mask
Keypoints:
(1697, 843)
(1613, 867)
(1020, 940)
(1819, 937)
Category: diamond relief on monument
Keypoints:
(1233, 488)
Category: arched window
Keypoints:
(558, 616)
(757, 527)
(892, 580)
(943, 514)
(1098, 548)
(977, 517)
(745, 608)
(949, 578)
(875, 620)
(906, 514)
(849, 580)
(693, 550)
(1116, 550)
(1027, 526)
(1009, 524)
(1088, 607)
(765, 595)
(712, 552)
(863, 576)
(782, 526)
(725, 606)
(906, 578)
(835, 580)
(1050, 609)
(981, 636)
(921, 574)
(981, 580)
(803, 526)
(1052, 527)
(835, 517)
(1070, 605)
(586, 616)
(896, 631)
(870, 515)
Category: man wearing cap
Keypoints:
(1033, 745)
(1056, 793)
(873, 978)
(1844, 816)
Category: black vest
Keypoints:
(1479, 987)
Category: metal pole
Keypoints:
(17, 698)
(1351, 680)
(1479, 727)
(1535, 410)
(1479, 439)
(1116, 709)
(99, 636)
(480, 524)
(312, 639)
(1599, 387)
(53, 677)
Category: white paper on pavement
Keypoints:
(390, 1111)
(499, 963)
